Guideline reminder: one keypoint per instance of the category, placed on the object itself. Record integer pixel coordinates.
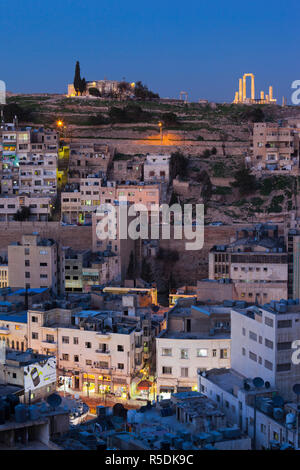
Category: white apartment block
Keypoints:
(197, 338)
(261, 344)
(29, 160)
(157, 168)
(99, 354)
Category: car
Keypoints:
(216, 224)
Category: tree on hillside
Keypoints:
(141, 92)
(245, 181)
(77, 78)
(22, 214)
(130, 269)
(178, 164)
(82, 86)
(93, 91)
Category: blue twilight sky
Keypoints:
(198, 46)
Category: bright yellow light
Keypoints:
(160, 124)
(59, 123)
(132, 85)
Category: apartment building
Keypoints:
(275, 148)
(254, 410)
(99, 351)
(3, 275)
(84, 269)
(256, 263)
(29, 160)
(196, 338)
(157, 168)
(41, 207)
(13, 330)
(262, 344)
(32, 263)
(126, 168)
(89, 158)
(35, 373)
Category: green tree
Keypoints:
(141, 92)
(146, 272)
(245, 181)
(77, 78)
(130, 269)
(178, 164)
(93, 91)
(22, 214)
(82, 86)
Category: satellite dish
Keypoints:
(296, 389)
(267, 384)
(258, 382)
(278, 401)
(54, 400)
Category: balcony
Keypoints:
(4, 330)
(100, 351)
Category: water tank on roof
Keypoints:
(21, 413)
(278, 413)
(2, 414)
(33, 412)
(290, 420)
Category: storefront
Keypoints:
(88, 384)
(165, 392)
(104, 384)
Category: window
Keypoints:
(120, 366)
(76, 358)
(75, 340)
(65, 339)
(223, 353)
(244, 331)
(268, 343)
(283, 367)
(27, 274)
(252, 335)
(35, 335)
(65, 357)
(184, 354)
(284, 323)
(27, 262)
(103, 365)
(50, 338)
(268, 365)
(244, 351)
(214, 353)
(88, 345)
(120, 347)
(202, 353)
(166, 352)
(34, 319)
(184, 372)
(283, 346)
(167, 370)
(252, 356)
(269, 321)
(88, 362)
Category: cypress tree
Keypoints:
(77, 78)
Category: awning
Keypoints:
(144, 385)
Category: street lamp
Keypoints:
(160, 125)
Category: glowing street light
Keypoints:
(160, 125)
(59, 123)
